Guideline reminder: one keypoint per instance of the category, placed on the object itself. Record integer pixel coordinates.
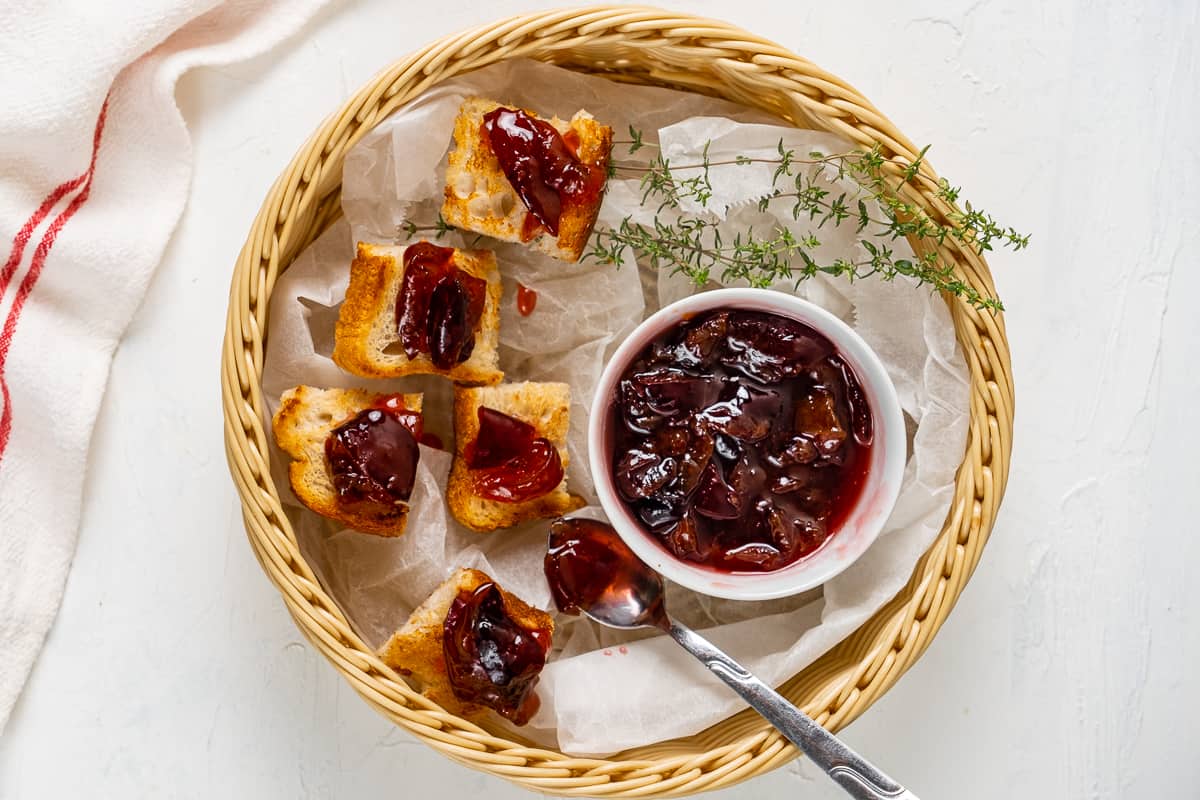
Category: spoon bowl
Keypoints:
(591, 570)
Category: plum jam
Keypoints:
(542, 166)
(373, 456)
(438, 307)
(585, 560)
(509, 462)
(492, 659)
(742, 440)
(526, 300)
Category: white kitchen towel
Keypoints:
(95, 163)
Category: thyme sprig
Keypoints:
(439, 228)
(693, 243)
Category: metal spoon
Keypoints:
(592, 570)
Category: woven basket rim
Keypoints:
(678, 50)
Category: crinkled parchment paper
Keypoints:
(604, 690)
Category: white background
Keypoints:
(1067, 669)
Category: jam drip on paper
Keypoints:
(492, 659)
(526, 300)
(742, 440)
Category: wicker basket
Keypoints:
(649, 46)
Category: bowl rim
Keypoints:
(871, 510)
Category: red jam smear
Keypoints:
(743, 440)
(438, 307)
(531, 226)
(585, 560)
(509, 462)
(526, 300)
(491, 659)
(541, 166)
(373, 456)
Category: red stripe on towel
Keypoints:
(38, 262)
(22, 237)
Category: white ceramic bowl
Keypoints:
(866, 519)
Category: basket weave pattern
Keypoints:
(648, 46)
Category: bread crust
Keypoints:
(415, 650)
(545, 406)
(366, 340)
(479, 198)
(305, 418)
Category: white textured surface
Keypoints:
(1065, 671)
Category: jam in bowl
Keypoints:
(746, 443)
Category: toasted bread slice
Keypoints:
(545, 406)
(303, 422)
(367, 340)
(480, 198)
(416, 649)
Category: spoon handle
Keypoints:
(851, 771)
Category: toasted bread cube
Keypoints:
(545, 406)
(305, 419)
(367, 339)
(416, 650)
(480, 198)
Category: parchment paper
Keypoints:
(604, 690)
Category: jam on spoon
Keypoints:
(742, 440)
(491, 658)
(373, 456)
(542, 166)
(509, 462)
(438, 307)
(588, 565)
